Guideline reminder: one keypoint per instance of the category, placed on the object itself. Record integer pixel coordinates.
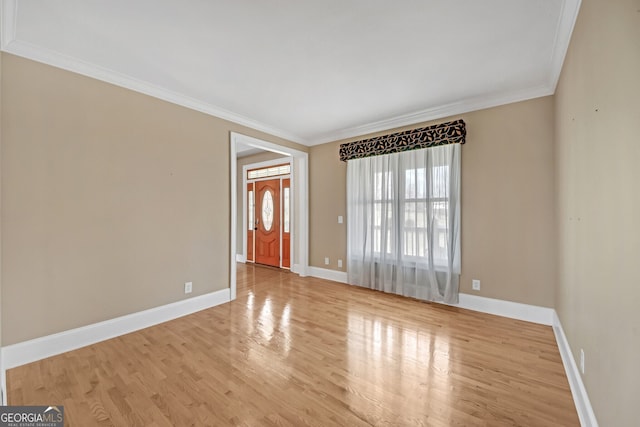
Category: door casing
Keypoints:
(299, 188)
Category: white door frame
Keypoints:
(299, 184)
(245, 194)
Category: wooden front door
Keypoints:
(267, 222)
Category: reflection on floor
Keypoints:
(304, 351)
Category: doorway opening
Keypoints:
(267, 213)
(298, 185)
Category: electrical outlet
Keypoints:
(582, 361)
(475, 284)
(326, 260)
(188, 287)
(339, 263)
(340, 219)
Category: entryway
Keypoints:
(268, 213)
(296, 250)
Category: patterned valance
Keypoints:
(430, 136)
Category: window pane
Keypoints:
(377, 186)
(286, 210)
(267, 210)
(388, 178)
(410, 184)
(410, 215)
(377, 215)
(441, 231)
(284, 170)
(415, 183)
(382, 182)
(389, 241)
(421, 214)
(440, 181)
(251, 211)
(422, 242)
(421, 183)
(270, 171)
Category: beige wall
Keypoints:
(111, 200)
(327, 200)
(508, 218)
(242, 161)
(598, 198)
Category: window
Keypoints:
(251, 211)
(267, 210)
(426, 202)
(382, 212)
(285, 204)
(419, 202)
(269, 171)
(400, 207)
(403, 221)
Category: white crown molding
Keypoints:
(36, 349)
(566, 23)
(578, 391)
(564, 29)
(58, 60)
(8, 21)
(455, 108)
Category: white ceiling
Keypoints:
(308, 71)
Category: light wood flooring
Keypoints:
(302, 351)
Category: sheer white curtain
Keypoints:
(403, 217)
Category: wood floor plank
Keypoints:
(293, 351)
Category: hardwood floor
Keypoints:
(304, 351)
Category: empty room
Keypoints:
(329, 213)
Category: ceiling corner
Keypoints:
(75, 65)
(455, 108)
(8, 20)
(536, 78)
(566, 23)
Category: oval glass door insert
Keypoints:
(267, 210)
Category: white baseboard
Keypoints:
(579, 392)
(325, 273)
(510, 309)
(240, 258)
(51, 345)
(513, 310)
